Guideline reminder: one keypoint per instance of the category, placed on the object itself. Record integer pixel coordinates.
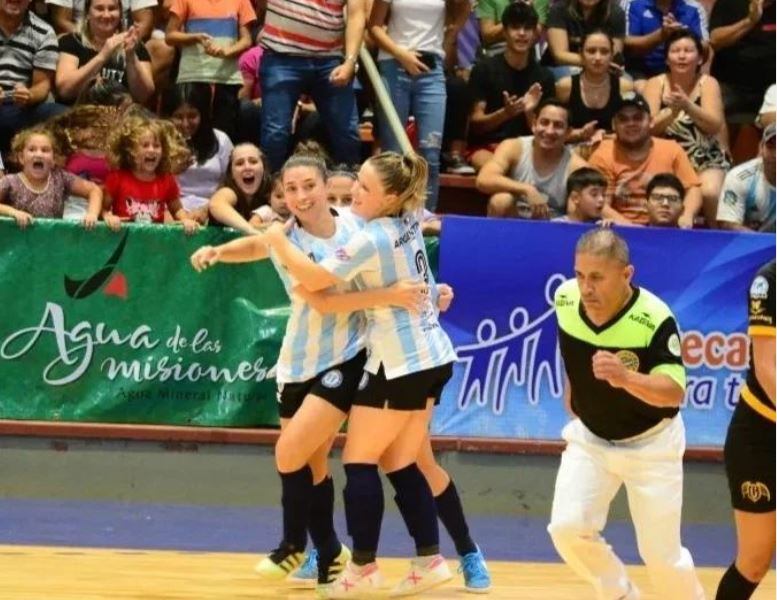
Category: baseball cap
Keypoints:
(769, 133)
(633, 99)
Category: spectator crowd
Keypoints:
(629, 112)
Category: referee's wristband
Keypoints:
(350, 58)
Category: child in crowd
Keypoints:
(144, 153)
(244, 189)
(40, 189)
(211, 36)
(586, 189)
(83, 135)
(188, 106)
(276, 210)
(339, 187)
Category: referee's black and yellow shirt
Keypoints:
(643, 335)
(760, 323)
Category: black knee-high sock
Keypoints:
(734, 585)
(416, 504)
(321, 525)
(295, 499)
(451, 514)
(363, 496)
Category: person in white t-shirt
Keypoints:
(187, 105)
(411, 37)
(747, 200)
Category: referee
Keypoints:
(625, 383)
(749, 450)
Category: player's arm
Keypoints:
(312, 276)
(405, 294)
(246, 249)
(761, 329)
(763, 361)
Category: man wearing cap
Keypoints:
(747, 199)
(629, 161)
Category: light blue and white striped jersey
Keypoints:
(314, 342)
(383, 252)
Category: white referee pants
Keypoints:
(591, 472)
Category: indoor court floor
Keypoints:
(50, 573)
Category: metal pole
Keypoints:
(385, 101)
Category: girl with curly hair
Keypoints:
(144, 154)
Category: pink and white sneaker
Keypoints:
(425, 573)
(354, 582)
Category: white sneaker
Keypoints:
(354, 582)
(425, 573)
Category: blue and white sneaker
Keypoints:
(307, 574)
(477, 579)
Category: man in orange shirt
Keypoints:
(629, 161)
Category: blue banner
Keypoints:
(509, 378)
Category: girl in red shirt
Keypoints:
(144, 153)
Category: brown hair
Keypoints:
(125, 138)
(305, 160)
(86, 36)
(403, 175)
(245, 205)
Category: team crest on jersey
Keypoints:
(628, 359)
(333, 379)
(760, 288)
(673, 344)
(364, 380)
(755, 491)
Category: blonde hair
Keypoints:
(19, 141)
(403, 175)
(125, 138)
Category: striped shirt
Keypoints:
(387, 250)
(32, 46)
(305, 27)
(314, 342)
(222, 21)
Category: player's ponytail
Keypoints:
(404, 176)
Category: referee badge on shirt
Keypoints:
(332, 379)
(629, 359)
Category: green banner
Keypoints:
(117, 327)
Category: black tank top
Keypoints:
(580, 114)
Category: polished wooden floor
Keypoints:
(44, 573)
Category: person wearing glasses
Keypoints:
(630, 160)
(665, 195)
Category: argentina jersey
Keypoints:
(385, 251)
(314, 342)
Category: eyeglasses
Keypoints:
(669, 198)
